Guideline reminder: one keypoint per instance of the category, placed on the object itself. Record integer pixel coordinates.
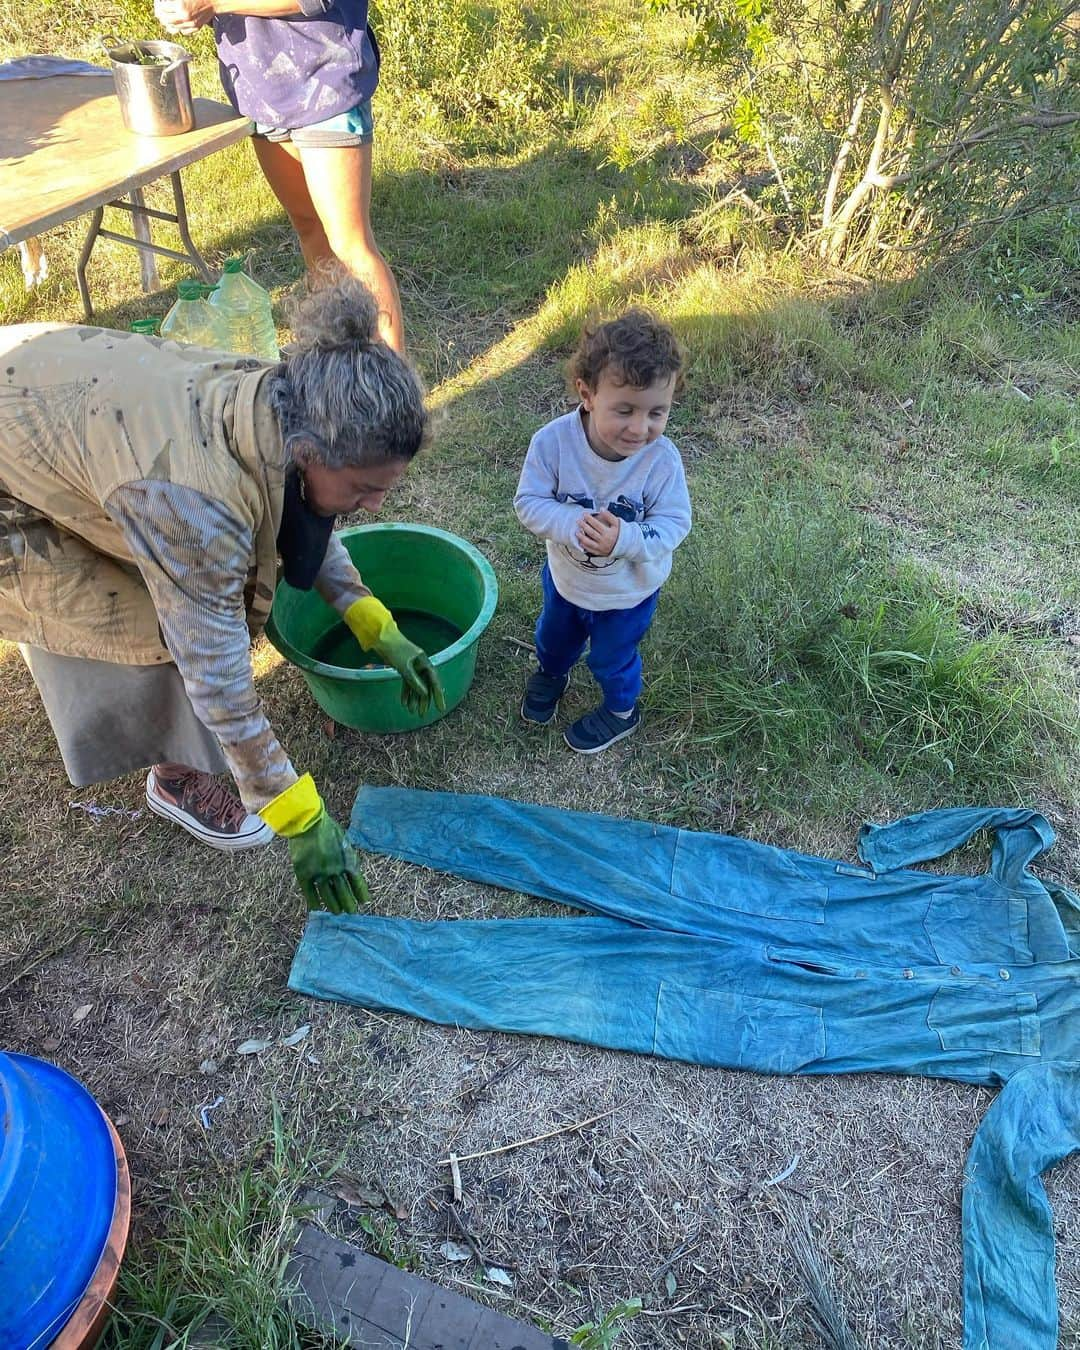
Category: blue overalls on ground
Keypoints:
(725, 952)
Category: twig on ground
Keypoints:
(518, 642)
(535, 1139)
(473, 1245)
(61, 946)
(470, 1098)
(470, 1242)
(455, 1176)
(691, 1244)
(781, 1176)
(40, 960)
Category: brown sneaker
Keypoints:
(204, 806)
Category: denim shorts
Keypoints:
(355, 127)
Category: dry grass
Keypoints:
(183, 954)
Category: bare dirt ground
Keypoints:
(140, 962)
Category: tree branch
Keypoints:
(1037, 121)
(892, 66)
(841, 159)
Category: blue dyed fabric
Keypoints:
(725, 952)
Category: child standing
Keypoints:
(605, 488)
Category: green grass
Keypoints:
(871, 616)
(216, 1276)
(822, 659)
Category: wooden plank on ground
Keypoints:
(370, 1303)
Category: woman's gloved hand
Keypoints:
(373, 626)
(327, 866)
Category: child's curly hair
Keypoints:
(637, 348)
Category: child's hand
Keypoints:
(598, 534)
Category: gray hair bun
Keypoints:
(342, 392)
(336, 316)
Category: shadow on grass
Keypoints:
(809, 661)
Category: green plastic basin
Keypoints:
(442, 592)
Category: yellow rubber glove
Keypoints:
(373, 626)
(326, 864)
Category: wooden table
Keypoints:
(64, 151)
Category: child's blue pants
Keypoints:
(563, 629)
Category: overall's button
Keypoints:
(954, 970)
(908, 974)
(1004, 974)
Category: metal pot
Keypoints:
(155, 100)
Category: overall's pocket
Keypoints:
(722, 872)
(984, 1021)
(995, 924)
(963, 927)
(736, 1031)
(813, 963)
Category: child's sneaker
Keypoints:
(599, 729)
(542, 694)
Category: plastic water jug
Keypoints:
(194, 321)
(245, 308)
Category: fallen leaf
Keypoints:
(454, 1251)
(329, 729)
(80, 1013)
(298, 1035)
(498, 1276)
(208, 1066)
(253, 1047)
(670, 1284)
(397, 1209)
(50, 1044)
(356, 1196)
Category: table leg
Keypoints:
(141, 215)
(140, 224)
(84, 258)
(182, 226)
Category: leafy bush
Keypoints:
(486, 66)
(885, 122)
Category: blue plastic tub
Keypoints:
(57, 1195)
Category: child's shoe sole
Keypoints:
(537, 721)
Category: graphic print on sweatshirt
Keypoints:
(623, 508)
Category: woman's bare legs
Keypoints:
(280, 163)
(326, 193)
(339, 182)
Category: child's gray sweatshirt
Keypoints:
(564, 479)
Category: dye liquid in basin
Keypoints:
(338, 647)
